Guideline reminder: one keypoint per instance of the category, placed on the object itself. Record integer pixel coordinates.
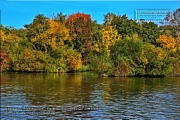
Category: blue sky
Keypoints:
(21, 12)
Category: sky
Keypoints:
(17, 13)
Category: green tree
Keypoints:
(38, 27)
(96, 36)
(124, 26)
(158, 63)
(128, 52)
(100, 62)
(149, 32)
(132, 56)
(59, 17)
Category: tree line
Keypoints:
(119, 47)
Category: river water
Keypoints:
(86, 95)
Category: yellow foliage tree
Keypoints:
(29, 61)
(109, 36)
(2, 36)
(58, 32)
(156, 57)
(9, 42)
(53, 37)
(172, 47)
(167, 42)
(161, 54)
(154, 52)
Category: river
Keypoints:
(86, 95)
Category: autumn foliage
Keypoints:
(117, 47)
(167, 42)
(4, 61)
(80, 26)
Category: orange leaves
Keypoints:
(80, 27)
(81, 31)
(79, 23)
(73, 60)
(73, 17)
(75, 63)
(4, 61)
(167, 42)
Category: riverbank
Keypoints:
(99, 74)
